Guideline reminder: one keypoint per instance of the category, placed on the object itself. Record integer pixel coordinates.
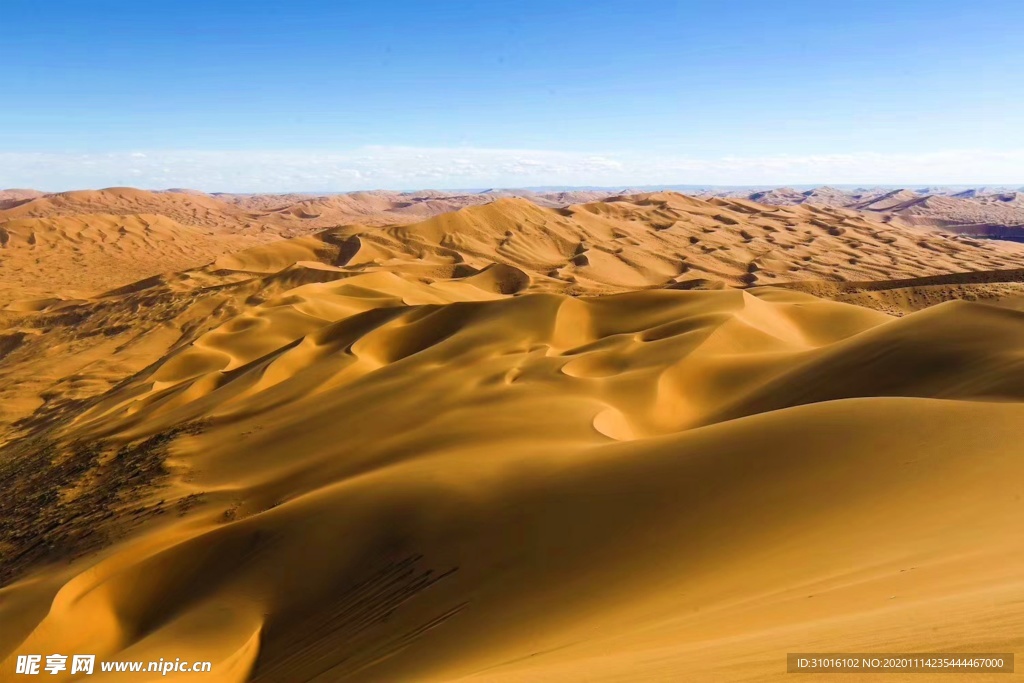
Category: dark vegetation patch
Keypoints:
(64, 500)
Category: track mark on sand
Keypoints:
(341, 639)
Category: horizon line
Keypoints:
(915, 186)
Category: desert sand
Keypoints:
(996, 212)
(650, 438)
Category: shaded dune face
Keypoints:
(417, 454)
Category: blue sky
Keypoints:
(338, 95)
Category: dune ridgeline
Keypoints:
(653, 438)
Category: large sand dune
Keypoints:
(648, 439)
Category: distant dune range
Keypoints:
(39, 231)
(648, 438)
(986, 212)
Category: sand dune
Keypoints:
(265, 216)
(651, 438)
(13, 197)
(185, 208)
(270, 215)
(639, 241)
(79, 255)
(600, 247)
(987, 212)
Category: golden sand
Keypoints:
(619, 441)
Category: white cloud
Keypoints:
(419, 168)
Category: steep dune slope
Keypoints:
(514, 443)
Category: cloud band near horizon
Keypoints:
(407, 168)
